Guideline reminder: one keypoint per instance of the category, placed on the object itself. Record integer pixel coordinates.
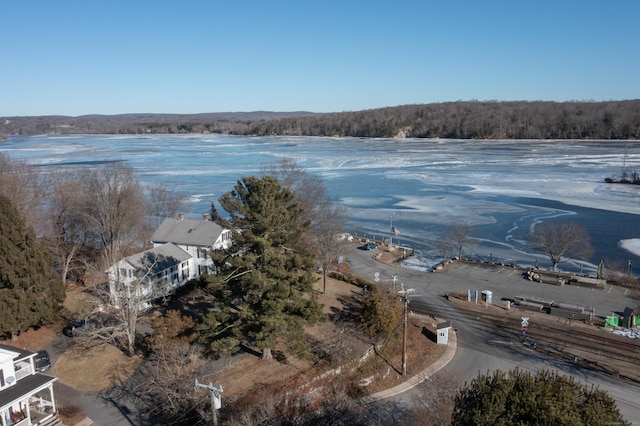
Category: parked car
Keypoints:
(42, 361)
(71, 330)
(369, 246)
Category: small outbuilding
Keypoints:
(487, 296)
(631, 318)
(443, 332)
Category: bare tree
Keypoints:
(92, 212)
(164, 385)
(133, 283)
(25, 188)
(560, 239)
(309, 190)
(114, 207)
(444, 246)
(69, 236)
(164, 202)
(459, 235)
(327, 234)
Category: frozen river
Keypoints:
(501, 188)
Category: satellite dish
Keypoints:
(11, 379)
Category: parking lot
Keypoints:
(505, 283)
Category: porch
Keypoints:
(37, 411)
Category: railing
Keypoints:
(23, 422)
(23, 372)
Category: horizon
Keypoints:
(79, 58)
(309, 112)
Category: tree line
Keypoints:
(451, 120)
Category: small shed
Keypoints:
(443, 332)
(487, 296)
(631, 317)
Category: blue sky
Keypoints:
(109, 57)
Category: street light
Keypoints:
(405, 295)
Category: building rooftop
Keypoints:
(187, 232)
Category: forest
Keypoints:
(449, 120)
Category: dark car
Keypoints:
(369, 246)
(72, 329)
(42, 361)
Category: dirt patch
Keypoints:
(383, 369)
(94, 369)
(70, 414)
(334, 293)
(36, 339)
(78, 302)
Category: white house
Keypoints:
(26, 396)
(180, 253)
(151, 274)
(196, 237)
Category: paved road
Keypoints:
(482, 350)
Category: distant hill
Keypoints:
(222, 122)
(459, 120)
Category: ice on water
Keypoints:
(502, 188)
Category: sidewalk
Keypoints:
(418, 378)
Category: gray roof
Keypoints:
(443, 325)
(159, 258)
(23, 387)
(188, 232)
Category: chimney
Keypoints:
(205, 216)
(180, 216)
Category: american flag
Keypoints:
(395, 230)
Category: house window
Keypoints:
(1, 378)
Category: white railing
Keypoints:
(23, 372)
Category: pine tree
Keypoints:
(214, 216)
(522, 398)
(264, 282)
(30, 289)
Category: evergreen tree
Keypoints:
(214, 216)
(521, 398)
(30, 290)
(264, 282)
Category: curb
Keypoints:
(418, 378)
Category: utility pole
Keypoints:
(216, 402)
(405, 295)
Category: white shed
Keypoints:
(443, 332)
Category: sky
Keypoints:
(78, 57)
